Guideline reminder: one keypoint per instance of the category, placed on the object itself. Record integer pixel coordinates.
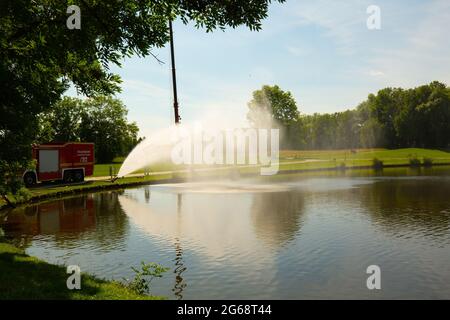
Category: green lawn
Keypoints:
(103, 170)
(361, 157)
(25, 277)
(320, 158)
(369, 154)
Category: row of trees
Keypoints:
(102, 120)
(392, 118)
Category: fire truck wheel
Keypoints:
(78, 176)
(68, 177)
(29, 179)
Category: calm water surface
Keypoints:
(287, 238)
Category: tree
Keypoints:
(347, 130)
(371, 134)
(385, 106)
(40, 57)
(101, 119)
(273, 107)
(104, 123)
(423, 120)
(62, 122)
(394, 117)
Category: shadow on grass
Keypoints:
(24, 277)
(27, 278)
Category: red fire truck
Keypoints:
(70, 162)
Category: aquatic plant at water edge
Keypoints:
(143, 277)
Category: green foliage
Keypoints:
(272, 107)
(102, 120)
(377, 163)
(62, 121)
(144, 276)
(427, 162)
(105, 124)
(22, 195)
(10, 178)
(414, 162)
(392, 118)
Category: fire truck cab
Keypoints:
(70, 162)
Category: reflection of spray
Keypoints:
(180, 284)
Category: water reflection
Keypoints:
(98, 218)
(68, 215)
(180, 284)
(113, 226)
(215, 222)
(276, 216)
(147, 194)
(299, 238)
(407, 209)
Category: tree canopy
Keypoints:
(271, 106)
(101, 119)
(392, 118)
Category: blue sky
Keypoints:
(321, 51)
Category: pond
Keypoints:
(292, 237)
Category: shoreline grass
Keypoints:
(47, 281)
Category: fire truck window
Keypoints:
(48, 161)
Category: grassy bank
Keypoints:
(55, 190)
(25, 277)
(361, 157)
(318, 159)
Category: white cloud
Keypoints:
(376, 73)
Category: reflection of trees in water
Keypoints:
(20, 225)
(100, 215)
(277, 216)
(415, 205)
(110, 227)
(112, 222)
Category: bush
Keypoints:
(23, 194)
(377, 163)
(427, 162)
(143, 277)
(414, 162)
